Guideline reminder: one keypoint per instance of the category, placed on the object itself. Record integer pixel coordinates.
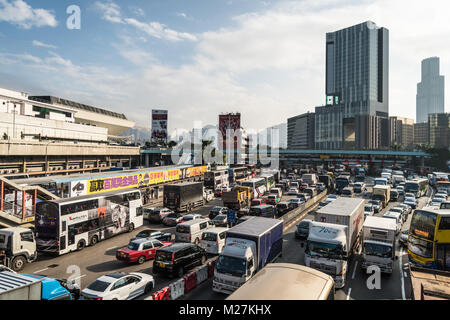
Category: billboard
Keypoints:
(159, 126)
(229, 122)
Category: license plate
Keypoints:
(122, 254)
(162, 265)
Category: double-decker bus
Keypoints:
(418, 186)
(429, 238)
(66, 225)
(238, 174)
(257, 187)
(438, 176)
(216, 179)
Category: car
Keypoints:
(359, 187)
(119, 286)
(218, 192)
(257, 202)
(440, 196)
(215, 211)
(220, 220)
(403, 239)
(304, 185)
(302, 229)
(242, 219)
(190, 217)
(401, 190)
(146, 212)
(377, 206)
(292, 192)
(158, 215)
(322, 204)
(321, 186)
(282, 208)
(410, 195)
(400, 210)
(140, 250)
(272, 199)
(443, 191)
(295, 203)
(304, 196)
(243, 212)
(347, 192)
(208, 195)
(394, 195)
(332, 197)
(407, 208)
(311, 192)
(412, 202)
(369, 210)
(154, 234)
(172, 219)
(433, 203)
(178, 258)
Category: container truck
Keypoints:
(183, 196)
(249, 246)
(334, 236)
(310, 178)
(238, 198)
(17, 247)
(379, 243)
(382, 193)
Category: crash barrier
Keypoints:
(202, 274)
(176, 289)
(190, 281)
(163, 294)
(311, 202)
(211, 267)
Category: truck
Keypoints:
(17, 247)
(397, 179)
(249, 246)
(310, 178)
(328, 181)
(334, 236)
(14, 286)
(238, 198)
(341, 183)
(382, 193)
(183, 196)
(379, 243)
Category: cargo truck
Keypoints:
(310, 178)
(249, 246)
(238, 198)
(328, 181)
(379, 243)
(183, 196)
(17, 248)
(382, 193)
(334, 236)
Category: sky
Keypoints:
(200, 58)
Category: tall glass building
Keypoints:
(430, 91)
(357, 88)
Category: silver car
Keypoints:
(403, 239)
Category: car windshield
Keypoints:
(188, 218)
(325, 250)
(144, 234)
(220, 218)
(209, 236)
(98, 285)
(133, 246)
(368, 208)
(379, 250)
(183, 229)
(231, 265)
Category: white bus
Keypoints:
(418, 186)
(270, 180)
(216, 179)
(258, 187)
(66, 225)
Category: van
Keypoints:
(191, 231)
(213, 240)
(394, 195)
(265, 211)
(277, 192)
(398, 218)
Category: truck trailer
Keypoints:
(183, 197)
(249, 246)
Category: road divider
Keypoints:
(163, 294)
(176, 289)
(190, 281)
(202, 274)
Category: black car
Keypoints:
(302, 230)
(149, 233)
(242, 219)
(215, 211)
(282, 208)
(178, 258)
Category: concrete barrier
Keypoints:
(163, 294)
(303, 207)
(202, 274)
(190, 281)
(176, 289)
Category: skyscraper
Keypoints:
(357, 67)
(430, 91)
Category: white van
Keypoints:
(213, 240)
(191, 231)
(277, 192)
(398, 219)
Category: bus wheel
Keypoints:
(131, 227)
(81, 244)
(94, 240)
(18, 263)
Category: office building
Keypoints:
(421, 136)
(401, 133)
(357, 66)
(438, 128)
(430, 91)
(301, 131)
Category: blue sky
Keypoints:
(198, 58)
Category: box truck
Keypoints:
(249, 246)
(334, 236)
(238, 198)
(17, 247)
(183, 196)
(379, 243)
(382, 193)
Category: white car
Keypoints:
(332, 197)
(412, 202)
(403, 239)
(406, 207)
(119, 286)
(190, 217)
(292, 191)
(440, 196)
(410, 195)
(208, 195)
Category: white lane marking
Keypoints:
(112, 248)
(354, 270)
(79, 277)
(40, 270)
(406, 275)
(348, 294)
(401, 273)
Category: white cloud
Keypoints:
(19, 13)
(111, 11)
(43, 45)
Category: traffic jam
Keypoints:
(210, 238)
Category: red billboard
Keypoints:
(229, 122)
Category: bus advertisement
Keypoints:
(418, 186)
(257, 187)
(66, 225)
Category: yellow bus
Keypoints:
(429, 238)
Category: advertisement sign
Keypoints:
(159, 126)
(229, 122)
(78, 188)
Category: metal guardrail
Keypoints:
(288, 217)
